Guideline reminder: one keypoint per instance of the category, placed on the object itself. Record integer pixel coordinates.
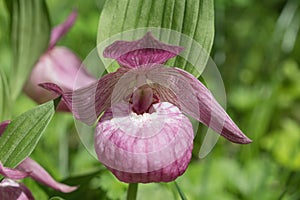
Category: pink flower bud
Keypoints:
(58, 65)
(61, 66)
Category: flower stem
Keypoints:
(132, 191)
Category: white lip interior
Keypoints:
(147, 124)
(9, 182)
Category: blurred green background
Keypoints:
(257, 50)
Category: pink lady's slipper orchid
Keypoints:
(58, 65)
(144, 135)
(10, 189)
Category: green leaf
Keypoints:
(194, 18)
(23, 133)
(5, 103)
(88, 187)
(182, 196)
(30, 32)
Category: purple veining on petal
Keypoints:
(89, 102)
(143, 51)
(143, 148)
(11, 190)
(198, 102)
(54, 88)
(13, 173)
(166, 174)
(3, 126)
(39, 174)
(60, 30)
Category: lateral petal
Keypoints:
(196, 101)
(89, 102)
(14, 174)
(39, 174)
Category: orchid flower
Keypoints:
(10, 189)
(143, 134)
(58, 65)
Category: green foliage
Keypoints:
(5, 103)
(284, 144)
(84, 30)
(226, 178)
(30, 31)
(86, 187)
(114, 188)
(23, 133)
(180, 192)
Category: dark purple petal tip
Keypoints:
(146, 50)
(66, 97)
(52, 87)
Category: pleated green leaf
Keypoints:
(194, 18)
(30, 32)
(5, 103)
(23, 133)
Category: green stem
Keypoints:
(132, 191)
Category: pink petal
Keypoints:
(139, 52)
(88, 103)
(39, 174)
(145, 148)
(165, 174)
(60, 66)
(11, 190)
(195, 100)
(62, 29)
(3, 126)
(13, 173)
